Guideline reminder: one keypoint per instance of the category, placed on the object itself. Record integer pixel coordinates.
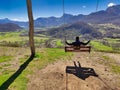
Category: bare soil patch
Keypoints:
(91, 74)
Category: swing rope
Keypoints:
(63, 6)
(63, 11)
(97, 5)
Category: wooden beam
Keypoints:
(80, 49)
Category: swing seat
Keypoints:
(77, 49)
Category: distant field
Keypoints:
(21, 39)
(106, 45)
(17, 39)
(100, 47)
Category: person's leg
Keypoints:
(75, 63)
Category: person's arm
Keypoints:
(68, 43)
(85, 43)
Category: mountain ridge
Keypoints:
(110, 15)
(9, 27)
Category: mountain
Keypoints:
(108, 30)
(110, 15)
(43, 22)
(84, 30)
(72, 30)
(40, 22)
(6, 20)
(115, 10)
(51, 21)
(9, 27)
(20, 23)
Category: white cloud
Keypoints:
(111, 4)
(15, 19)
(83, 6)
(19, 19)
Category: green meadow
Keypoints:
(14, 52)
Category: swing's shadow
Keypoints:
(11, 79)
(80, 72)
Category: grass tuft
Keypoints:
(5, 58)
(116, 69)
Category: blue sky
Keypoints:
(16, 9)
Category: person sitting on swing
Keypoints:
(77, 43)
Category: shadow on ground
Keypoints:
(10, 80)
(81, 72)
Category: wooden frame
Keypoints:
(78, 49)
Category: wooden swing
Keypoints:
(78, 48)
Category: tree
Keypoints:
(31, 27)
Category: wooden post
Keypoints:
(31, 27)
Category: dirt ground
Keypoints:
(83, 72)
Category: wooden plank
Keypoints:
(76, 49)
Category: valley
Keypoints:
(52, 68)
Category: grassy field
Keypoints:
(100, 47)
(10, 64)
(19, 39)
(13, 55)
(106, 45)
